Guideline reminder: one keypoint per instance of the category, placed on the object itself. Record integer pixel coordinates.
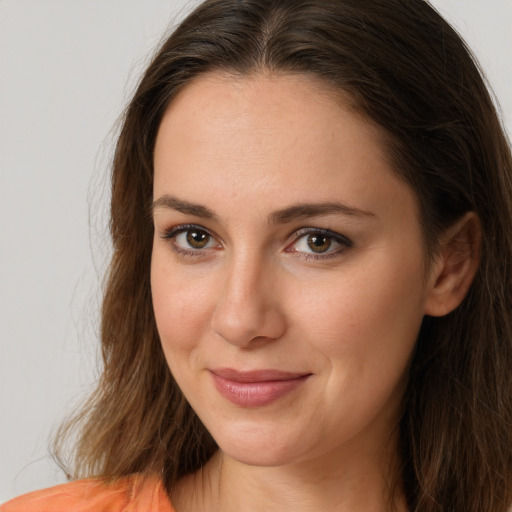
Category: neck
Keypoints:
(227, 485)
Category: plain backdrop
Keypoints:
(66, 70)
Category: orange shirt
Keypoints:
(135, 493)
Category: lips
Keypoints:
(256, 388)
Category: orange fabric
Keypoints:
(134, 493)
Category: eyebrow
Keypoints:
(178, 205)
(301, 211)
(289, 214)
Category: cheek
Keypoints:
(366, 323)
(365, 331)
(180, 304)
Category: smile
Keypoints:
(255, 388)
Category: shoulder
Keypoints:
(135, 493)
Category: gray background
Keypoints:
(66, 70)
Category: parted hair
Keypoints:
(405, 69)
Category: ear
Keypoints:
(455, 266)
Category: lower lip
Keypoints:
(255, 394)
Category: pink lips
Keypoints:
(255, 388)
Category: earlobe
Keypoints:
(455, 267)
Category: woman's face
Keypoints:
(287, 274)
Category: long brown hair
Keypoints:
(407, 70)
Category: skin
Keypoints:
(257, 296)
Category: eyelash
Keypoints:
(171, 234)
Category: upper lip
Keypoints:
(263, 375)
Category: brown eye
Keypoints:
(319, 243)
(197, 239)
(191, 240)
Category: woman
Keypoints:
(308, 305)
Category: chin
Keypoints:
(258, 448)
(260, 457)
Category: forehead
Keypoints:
(279, 138)
(237, 100)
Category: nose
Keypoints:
(248, 312)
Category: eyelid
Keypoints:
(171, 232)
(338, 237)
